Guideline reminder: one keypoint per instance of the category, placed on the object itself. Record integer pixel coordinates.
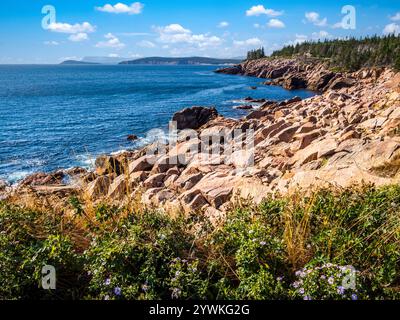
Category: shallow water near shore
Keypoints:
(54, 117)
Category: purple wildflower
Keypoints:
(354, 297)
(107, 282)
(340, 290)
(331, 280)
(117, 291)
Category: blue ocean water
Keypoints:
(54, 117)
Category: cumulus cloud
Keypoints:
(252, 42)
(299, 39)
(146, 44)
(396, 17)
(134, 8)
(275, 23)
(223, 24)
(60, 27)
(321, 35)
(260, 9)
(314, 18)
(78, 37)
(392, 28)
(51, 43)
(175, 34)
(111, 42)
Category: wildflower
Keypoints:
(301, 290)
(176, 292)
(107, 297)
(354, 297)
(331, 280)
(145, 287)
(279, 279)
(177, 274)
(117, 291)
(263, 243)
(184, 261)
(295, 284)
(307, 298)
(162, 236)
(340, 290)
(251, 231)
(323, 277)
(107, 282)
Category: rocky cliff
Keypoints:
(348, 134)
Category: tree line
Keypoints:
(350, 54)
(256, 54)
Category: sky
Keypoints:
(51, 31)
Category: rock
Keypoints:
(257, 114)
(253, 88)
(194, 118)
(118, 188)
(352, 134)
(308, 138)
(245, 107)
(107, 164)
(98, 188)
(287, 134)
(132, 137)
(231, 70)
(144, 163)
(341, 83)
(295, 82)
(188, 181)
(155, 181)
(43, 179)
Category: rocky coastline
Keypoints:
(348, 134)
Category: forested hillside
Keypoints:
(350, 54)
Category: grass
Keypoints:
(288, 247)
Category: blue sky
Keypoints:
(178, 28)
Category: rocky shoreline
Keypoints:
(348, 134)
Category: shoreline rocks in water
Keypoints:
(346, 135)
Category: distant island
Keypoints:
(182, 61)
(154, 61)
(77, 62)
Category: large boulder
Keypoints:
(42, 179)
(106, 165)
(341, 83)
(194, 118)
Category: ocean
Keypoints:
(59, 116)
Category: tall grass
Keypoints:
(283, 248)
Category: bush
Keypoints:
(328, 245)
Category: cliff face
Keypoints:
(304, 73)
(348, 134)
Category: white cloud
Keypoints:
(51, 43)
(78, 37)
(396, 17)
(260, 9)
(146, 44)
(257, 25)
(392, 28)
(300, 38)
(112, 42)
(275, 23)
(321, 35)
(175, 34)
(252, 42)
(85, 27)
(223, 24)
(113, 55)
(315, 19)
(134, 8)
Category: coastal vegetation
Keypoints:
(256, 54)
(288, 247)
(350, 54)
